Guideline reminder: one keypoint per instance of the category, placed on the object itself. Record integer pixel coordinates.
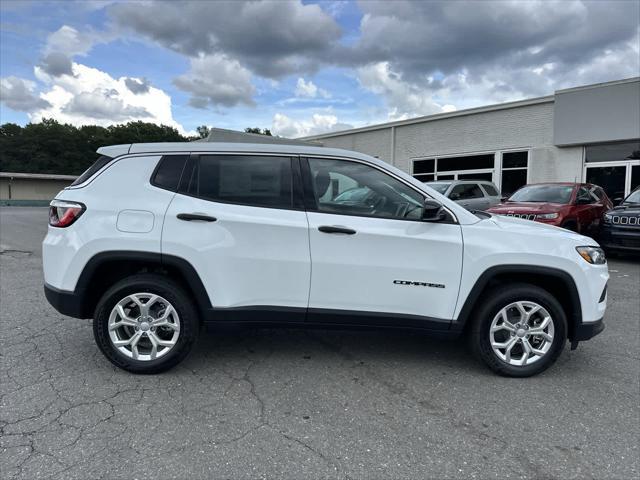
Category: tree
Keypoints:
(258, 130)
(52, 147)
(203, 131)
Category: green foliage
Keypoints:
(52, 147)
(203, 131)
(258, 130)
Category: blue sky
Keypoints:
(300, 68)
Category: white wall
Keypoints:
(523, 127)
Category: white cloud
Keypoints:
(403, 99)
(217, 80)
(18, 94)
(309, 90)
(69, 41)
(285, 126)
(91, 96)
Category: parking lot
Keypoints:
(305, 404)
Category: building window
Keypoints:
(467, 167)
(424, 170)
(514, 171)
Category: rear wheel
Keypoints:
(145, 324)
(519, 331)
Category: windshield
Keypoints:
(633, 198)
(543, 193)
(439, 187)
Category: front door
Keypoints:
(236, 220)
(371, 252)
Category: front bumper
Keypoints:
(616, 238)
(65, 302)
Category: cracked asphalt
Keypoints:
(304, 404)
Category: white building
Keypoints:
(589, 133)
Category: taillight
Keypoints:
(62, 214)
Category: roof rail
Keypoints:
(222, 135)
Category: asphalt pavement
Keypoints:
(305, 404)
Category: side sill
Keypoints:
(273, 316)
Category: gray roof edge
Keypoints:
(37, 176)
(437, 116)
(223, 135)
(599, 85)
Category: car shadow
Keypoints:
(333, 346)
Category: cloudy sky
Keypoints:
(300, 67)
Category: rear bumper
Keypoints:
(65, 302)
(585, 331)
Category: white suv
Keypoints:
(156, 239)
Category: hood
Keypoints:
(631, 209)
(536, 228)
(526, 207)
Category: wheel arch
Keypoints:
(555, 281)
(106, 268)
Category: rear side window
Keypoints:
(167, 174)
(490, 190)
(260, 181)
(88, 173)
(466, 191)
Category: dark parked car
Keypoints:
(621, 227)
(575, 206)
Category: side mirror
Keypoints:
(432, 211)
(617, 200)
(454, 196)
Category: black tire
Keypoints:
(169, 290)
(496, 300)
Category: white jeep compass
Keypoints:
(155, 240)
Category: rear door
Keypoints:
(588, 210)
(372, 253)
(239, 220)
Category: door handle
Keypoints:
(334, 229)
(196, 216)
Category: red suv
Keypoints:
(575, 206)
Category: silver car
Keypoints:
(471, 194)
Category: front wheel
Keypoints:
(145, 324)
(519, 331)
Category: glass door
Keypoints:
(612, 179)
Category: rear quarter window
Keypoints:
(491, 191)
(168, 172)
(89, 172)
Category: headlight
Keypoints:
(547, 216)
(593, 255)
(607, 218)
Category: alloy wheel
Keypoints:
(144, 326)
(521, 333)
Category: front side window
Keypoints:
(465, 191)
(584, 196)
(352, 188)
(247, 180)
